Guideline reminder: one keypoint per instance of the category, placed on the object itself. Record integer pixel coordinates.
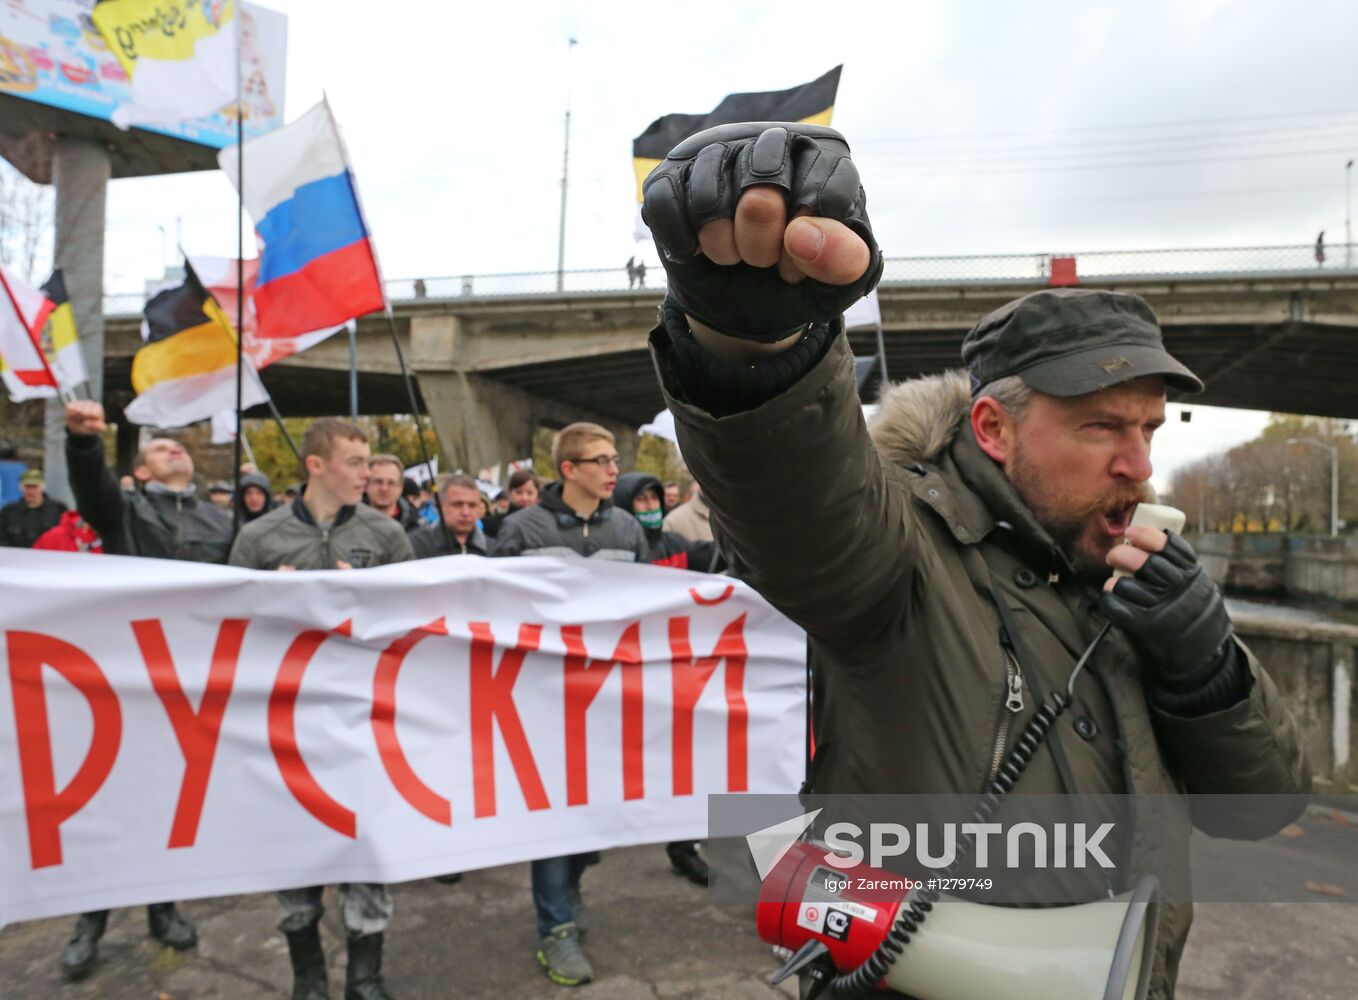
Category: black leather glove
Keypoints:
(701, 181)
(1175, 614)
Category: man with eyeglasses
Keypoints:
(574, 517)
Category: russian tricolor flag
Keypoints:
(317, 266)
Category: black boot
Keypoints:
(80, 953)
(686, 861)
(169, 927)
(364, 978)
(308, 964)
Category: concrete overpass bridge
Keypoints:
(497, 356)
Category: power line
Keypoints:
(1183, 143)
(983, 167)
(1172, 123)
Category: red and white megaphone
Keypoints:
(956, 950)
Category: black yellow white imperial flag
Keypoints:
(810, 103)
(68, 365)
(187, 369)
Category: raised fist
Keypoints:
(719, 208)
(85, 416)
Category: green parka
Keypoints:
(884, 546)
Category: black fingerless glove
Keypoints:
(695, 375)
(1176, 616)
(701, 181)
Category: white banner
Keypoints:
(170, 730)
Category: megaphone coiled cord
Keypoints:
(915, 907)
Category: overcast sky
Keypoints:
(978, 128)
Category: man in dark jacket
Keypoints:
(574, 518)
(329, 527)
(459, 500)
(25, 520)
(164, 521)
(959, 567)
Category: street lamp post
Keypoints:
(1348, 214)
(565, 174)
(1334, 478)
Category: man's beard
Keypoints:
(1069, 519)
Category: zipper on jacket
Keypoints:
(179, 525)
(325, 548)
(1013, 702)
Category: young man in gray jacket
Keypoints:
(329, 527)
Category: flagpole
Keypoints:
(278, 419)
(353, 370)
(881, 350)
(419, 424)
(391, 319)
(240, 275)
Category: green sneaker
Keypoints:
(559, 953)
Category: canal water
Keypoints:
(1292, 611)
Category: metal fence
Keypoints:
(1030, 268)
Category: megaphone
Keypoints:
(1102, 950)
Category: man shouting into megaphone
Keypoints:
(951, 563)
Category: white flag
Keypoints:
(23, 312)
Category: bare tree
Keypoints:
(25, 224)
(1270, 484)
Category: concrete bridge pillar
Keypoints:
(483, 422)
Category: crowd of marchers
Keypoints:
(352, 510)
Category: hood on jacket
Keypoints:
(916, 420)
(254, 479)
(633, 484)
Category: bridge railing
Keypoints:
(1020, 269)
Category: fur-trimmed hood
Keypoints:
(917, 419)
